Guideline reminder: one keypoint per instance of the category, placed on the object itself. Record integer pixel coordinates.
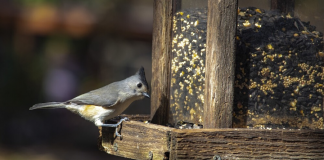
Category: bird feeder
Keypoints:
(229, 82)
(188, 93)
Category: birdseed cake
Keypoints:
(278, 74)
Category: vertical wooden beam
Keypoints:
(285, 6)
(161, 55)
(220, 58)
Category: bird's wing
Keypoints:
(97, 99)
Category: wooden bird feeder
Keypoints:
(229, 83)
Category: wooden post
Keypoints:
(285, 6)
(220, 59)
(161, 55)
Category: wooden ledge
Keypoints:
(149, 141)
(138, 142)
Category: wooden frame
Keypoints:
(150, 141)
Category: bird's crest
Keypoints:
(141, 73)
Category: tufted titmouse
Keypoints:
(106, 102)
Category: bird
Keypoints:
(107, 102)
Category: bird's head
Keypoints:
(139, 84)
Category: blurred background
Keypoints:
(54, 50)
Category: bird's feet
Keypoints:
(121, 120)
(99, 123)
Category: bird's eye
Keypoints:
(139, 85)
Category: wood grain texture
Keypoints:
(220, 58)
(161, 55)
(138, 140)
(247, 144)
(137, 117)
(228, 143)
(284, 6)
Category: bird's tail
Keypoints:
(49, 105)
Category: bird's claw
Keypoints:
(121, 120)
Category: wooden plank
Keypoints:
(138, 142)
(137, 117)
(161, 55)
(220, 58)
(140, 139)
(285, 6)
(247, 144)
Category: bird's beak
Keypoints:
(146, 95)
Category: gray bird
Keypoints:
(106, 102)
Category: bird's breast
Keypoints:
(121, 107)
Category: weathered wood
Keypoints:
(137, 117)
(285, 6)
(139, 139)
(228, 143)
(220, 58)
(161, 55)
(247, 144)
